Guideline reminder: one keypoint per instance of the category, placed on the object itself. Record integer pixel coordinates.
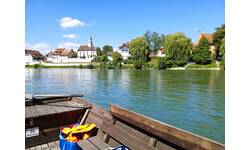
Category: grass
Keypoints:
(127, 66)
(191, 66)
(95, 65)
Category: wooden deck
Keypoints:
(92, 143)
(114, 128)
(49, 117)
(47, 146)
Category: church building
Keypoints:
(87, 51)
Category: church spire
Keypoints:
(90, 43)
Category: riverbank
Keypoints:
(148, 66)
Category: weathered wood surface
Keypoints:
(46, 146)
(97, 141)
(45, 136)
(169, 133)
(49, 117)
(124, 137)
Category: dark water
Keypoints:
(191, 100)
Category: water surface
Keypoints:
(191, 100)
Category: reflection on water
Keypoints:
(191, 100)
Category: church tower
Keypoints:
(90, 43)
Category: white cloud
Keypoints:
(69, 45)
(69, 22)
(42, 47)
(71, 36)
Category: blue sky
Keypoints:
(68, 23)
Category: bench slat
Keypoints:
(125, 138)
(86, 145)
(98, 142)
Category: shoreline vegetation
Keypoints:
(151, 65)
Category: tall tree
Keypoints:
(117, 57)
(107, 48)
(139, 49)
(177, 48)
(218, 36)
(202, 54)
(98, 51)
(222, 52)
(154, 40)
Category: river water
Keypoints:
(188, 99)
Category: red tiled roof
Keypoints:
(34, 54)
(208, 36)
(86, 48)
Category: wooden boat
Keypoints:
(116, 127)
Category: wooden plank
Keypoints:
(125, 138)
(98, 142)
(33, 148)
(164, 146)
(52, 144)
(63, 106)
(44, 146)
(38, 147)
(172, 134)
(95, 109)
(101, 112)
(30, 111)
(43, 137)
(133, 131)
(86, 145)
(54, 120)
(44, 110)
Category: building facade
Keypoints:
(87, 52)
(61, 55)
(33, 57)
(124, 51)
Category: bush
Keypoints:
(37, 66)
(90, 66)
(81, 66)
(128, 61)
(138, 64)
(162, 63)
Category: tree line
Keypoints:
(178, 48)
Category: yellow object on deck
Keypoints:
(78, 132)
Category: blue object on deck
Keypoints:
(66, 145)
(123, 147)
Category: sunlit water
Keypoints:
(191, 100)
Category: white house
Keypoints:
(61, 55)
(33, 57)
(87, 52)
(158, 53)
(124, 50)
(109, 54)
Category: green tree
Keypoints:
(154, 40)
(98, 51)
(117, 57)
(139, 49)
(202, 54)
(222, 53)
(107, 48)
(163, 63)
(177, 48)
(218, 36)
(102, 58)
